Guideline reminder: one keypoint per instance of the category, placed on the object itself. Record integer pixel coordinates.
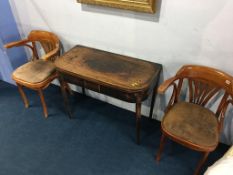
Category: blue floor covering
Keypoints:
(99, 140)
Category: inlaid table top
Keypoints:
(123, 72)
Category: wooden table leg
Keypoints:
(67, 87)
(153, 99)
(138, 121)
(152, 103)
(65, 98)
(83, 90)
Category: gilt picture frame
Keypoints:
(147, 6)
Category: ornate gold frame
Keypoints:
(147, 6)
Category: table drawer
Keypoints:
(72, 80)
(92, 86)
(129, 97)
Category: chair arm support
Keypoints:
(50, 54)
(166, 84)
(16, 43)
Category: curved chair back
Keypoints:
(203, 84)
(49, 42)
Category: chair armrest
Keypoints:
(50, 54)
(16, 43)
(167, 83)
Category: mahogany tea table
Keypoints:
(125, 78)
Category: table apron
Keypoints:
(131, 97)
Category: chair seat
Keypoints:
(192, 123)
(34, 71)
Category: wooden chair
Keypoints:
(191, 123)
(37, 74)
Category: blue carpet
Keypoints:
(100, 140)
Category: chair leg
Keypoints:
(201, 162)
(162, 141)
(25, 100)
(43, 103)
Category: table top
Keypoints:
(108, 68)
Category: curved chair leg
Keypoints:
(162, 141)
(25, 100)
(43, 103)
(201, 162)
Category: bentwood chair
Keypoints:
(39, 72)
(191, 122)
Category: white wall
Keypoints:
(181, 32)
